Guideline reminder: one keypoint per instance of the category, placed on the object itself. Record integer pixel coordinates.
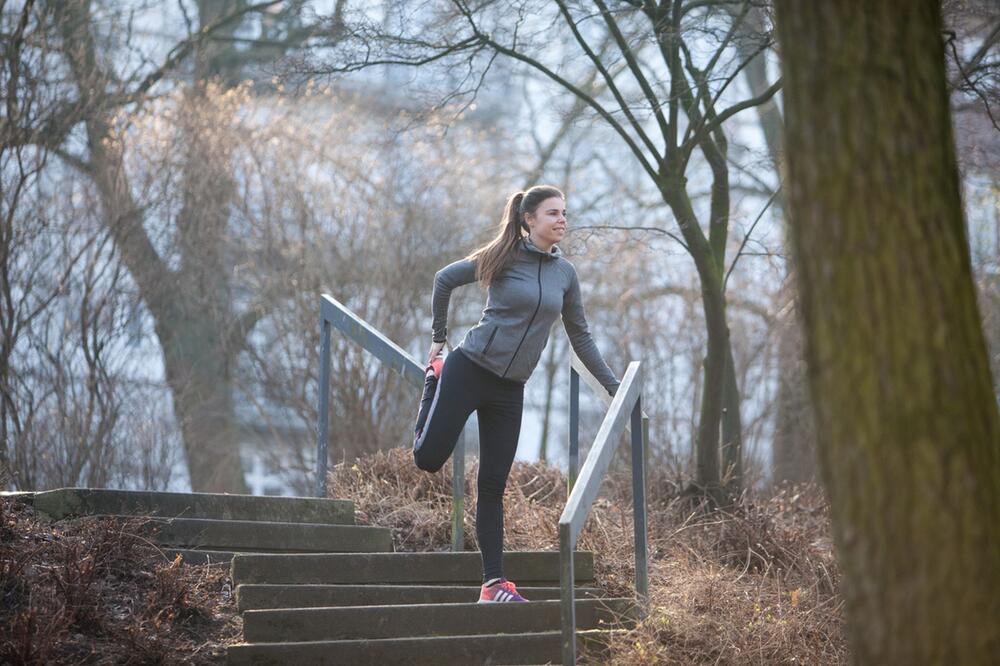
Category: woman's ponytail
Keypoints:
(514, 214)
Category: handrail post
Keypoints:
(624, 413)
(574, 427)
(566, 594)
(639, 506)
(323, 439)
(458, 494)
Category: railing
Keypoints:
(624, 414)
(578, 370)
(336, 314)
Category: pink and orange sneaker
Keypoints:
(499, 590)
(436, 364)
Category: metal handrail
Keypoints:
(333, 313)
(624, 413)
(578, 370)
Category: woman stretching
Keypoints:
(528, 283)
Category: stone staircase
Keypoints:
(314, 588)
(206, 527)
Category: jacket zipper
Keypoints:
(537, 305)
(490, 341)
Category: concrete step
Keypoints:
(533, 648)
(525, 568)
(254, 536)
(65, 502)
(404, 621)
(263, 596)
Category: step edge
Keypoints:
(442, 639)
(207, 522)
(416, 607)
(387, 586)
(176, 493)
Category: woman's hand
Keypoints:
(436, 348)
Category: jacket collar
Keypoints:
(531, 247)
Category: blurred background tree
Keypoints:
(180, 182)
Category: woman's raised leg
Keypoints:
(453, 401)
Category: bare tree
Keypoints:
(672, 104)
(19, 169)
(186, 286)
(972, 44)
(35, 268)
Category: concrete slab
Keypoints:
(535, 648)
(64, 502)
(424, 620)
(526, 568)
(263, 596)
(242, 535)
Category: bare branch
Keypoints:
(746, 237)
(610, 81)
(972, 86)
(487, 39)
(633, 64)
(658, 230)
(736, 108)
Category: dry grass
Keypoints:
(93, 591)
(756, 584)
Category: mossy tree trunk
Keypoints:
(708, 265)
(908, 428)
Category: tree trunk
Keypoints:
(732, 429)
(907, 421)
(707, 476)
(199, 373)
(198, 353)
(793, 458)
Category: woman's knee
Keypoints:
(426, 461)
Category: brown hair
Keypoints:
(494, 257)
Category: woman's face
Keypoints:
(548, 224)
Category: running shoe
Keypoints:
(435, 366)
(432, 374)
(499, 590)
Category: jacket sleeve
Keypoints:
(575, 321)
(453, 275)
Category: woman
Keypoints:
(528, 283)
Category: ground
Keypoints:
(92, 591)
(756, 584)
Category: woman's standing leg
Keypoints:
(499, 428)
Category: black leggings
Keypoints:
(465, 387)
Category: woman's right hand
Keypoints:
(436, 348)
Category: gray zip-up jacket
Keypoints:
(521, 305)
